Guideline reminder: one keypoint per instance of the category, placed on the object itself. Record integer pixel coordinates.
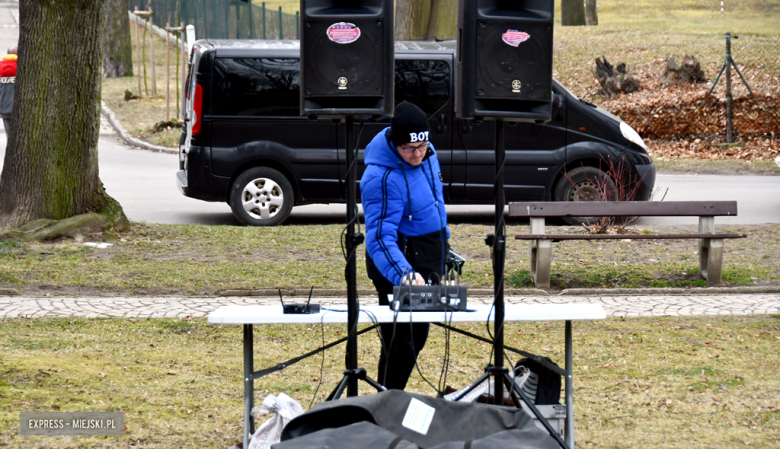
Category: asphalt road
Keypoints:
(144, 183)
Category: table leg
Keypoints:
(249, 384)
(569, 437)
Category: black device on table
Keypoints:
(300, 308)
(429, 298)
(449, 296)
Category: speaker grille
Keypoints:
(358, 65)
(521, 72)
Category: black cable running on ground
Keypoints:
(322, 364)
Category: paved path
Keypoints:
(160, 307)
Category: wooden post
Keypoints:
(141, 55)
(151, 48)
(178, 30)
(184, 63)
(167, 72)
(138, 51)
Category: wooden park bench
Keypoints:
(710, 243)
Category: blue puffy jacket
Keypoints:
(399, 201)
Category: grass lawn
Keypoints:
(198, 259)
(662, 382)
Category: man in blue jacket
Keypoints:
(406, 228)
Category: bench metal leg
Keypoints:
(711, 260)
(710, 253)
(541, 255)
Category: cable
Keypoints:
(445, 368)
(411, 332)
(375, 321)
(322, 364)
(392, 339)
(355, 219)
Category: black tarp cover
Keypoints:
(454, 425)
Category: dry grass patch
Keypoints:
(199, 259)
(662, 382)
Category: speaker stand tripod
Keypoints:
(352, 374)
(497, 241)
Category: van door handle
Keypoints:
(441, 124)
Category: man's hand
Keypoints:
(416, 279)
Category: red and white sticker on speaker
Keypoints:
(343, 33)
(514, 37)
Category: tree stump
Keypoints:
(689, 72)
(614, 80)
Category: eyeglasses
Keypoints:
(411, 150)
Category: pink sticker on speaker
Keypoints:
(514, 37)
(343, 33)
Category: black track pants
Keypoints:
(402, 342)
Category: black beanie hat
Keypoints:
(409, 124)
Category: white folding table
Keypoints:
(250, 315)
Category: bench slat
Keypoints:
(626, 236)
(623, 209)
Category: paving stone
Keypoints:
(143, 307)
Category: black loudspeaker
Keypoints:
(505, 50)
(346, 57)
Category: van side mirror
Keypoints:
(558, 107)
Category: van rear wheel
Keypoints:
(585, 184)
(261, 196)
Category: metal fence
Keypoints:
(223, 19)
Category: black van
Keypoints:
(245, 143)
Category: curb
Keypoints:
(483, 292)
(342, 293)
(127, 138)
(109, 114)
(667, 291)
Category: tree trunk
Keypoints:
(429, 19)
(411, 19)
(572, 13)
(591, 15)
(117, 48)
(447, 18)
(51, 161)
(433, 20)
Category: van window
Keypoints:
(256, 87)
(425, 83)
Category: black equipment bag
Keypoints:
(360, 435)
(548, 387)
(454, 425)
